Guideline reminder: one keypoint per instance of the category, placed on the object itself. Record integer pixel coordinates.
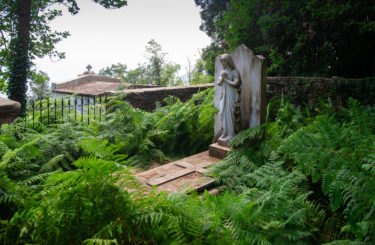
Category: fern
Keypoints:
(3, 148)
(52, 164)
(7, 157)
(38, 178)
(337, 154)
(93, 241)
(102, 150)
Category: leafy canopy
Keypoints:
(302, 38)
(156, 71)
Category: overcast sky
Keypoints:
(101, 37)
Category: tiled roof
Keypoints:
(94, 88)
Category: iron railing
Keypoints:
(71, 108)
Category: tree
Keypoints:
(137, 75)
(155, 57)
(209, 55)
(159, 71)
(156, 71)
(26, 29)
(315, 37)
(39, 86)
(199, 74)
(212, 11)
(189, 69)
(115, 70)
(19, 57)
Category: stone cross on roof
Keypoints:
(89, 67)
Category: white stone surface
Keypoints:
(230, 96)
(252, 69)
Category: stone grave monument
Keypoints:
(240, 87)
(240, 96)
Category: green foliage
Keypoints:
(115, 70)
(301, 38)
(340, 156)
(212, 11)
(50, 112)
(198, 75)
(209, 55)
(25, 34)
(177, 128)
(39, 86)
(308, 93)
(19, 65)
(157, 71)
(333, 151)
(187, 126)
(102, 150)
(274, 211)
(304, 177)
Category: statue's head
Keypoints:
(227, 61)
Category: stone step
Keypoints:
(218, 151)
(213, 191)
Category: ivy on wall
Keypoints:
(308, 90)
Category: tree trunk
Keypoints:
(19, 57)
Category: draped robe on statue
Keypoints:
(229, 99)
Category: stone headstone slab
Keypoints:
(253, 73)
(184, 175)
(9, 110)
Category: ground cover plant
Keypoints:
(305, 177)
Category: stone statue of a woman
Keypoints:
(230, 97)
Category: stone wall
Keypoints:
(145, 98)
(135, 86)
(308, 90)
(298, 90)
(9, 110)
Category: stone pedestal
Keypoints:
(218, 151)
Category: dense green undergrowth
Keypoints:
(305, 177)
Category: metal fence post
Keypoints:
(55, 110)
(62, 110)
(69, 105)
(88, 110)
(94, 108)
(33, 113)
(48, 110)
(100, 108)
(75, 109)
(82, 108)
(40, 109)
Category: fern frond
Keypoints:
(3, 148)
(52, 164)
(97, 241)
(12, 153)
(10, 198)
(39, 178)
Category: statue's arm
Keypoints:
(221, 78)
(236, 80)
(220, 81)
